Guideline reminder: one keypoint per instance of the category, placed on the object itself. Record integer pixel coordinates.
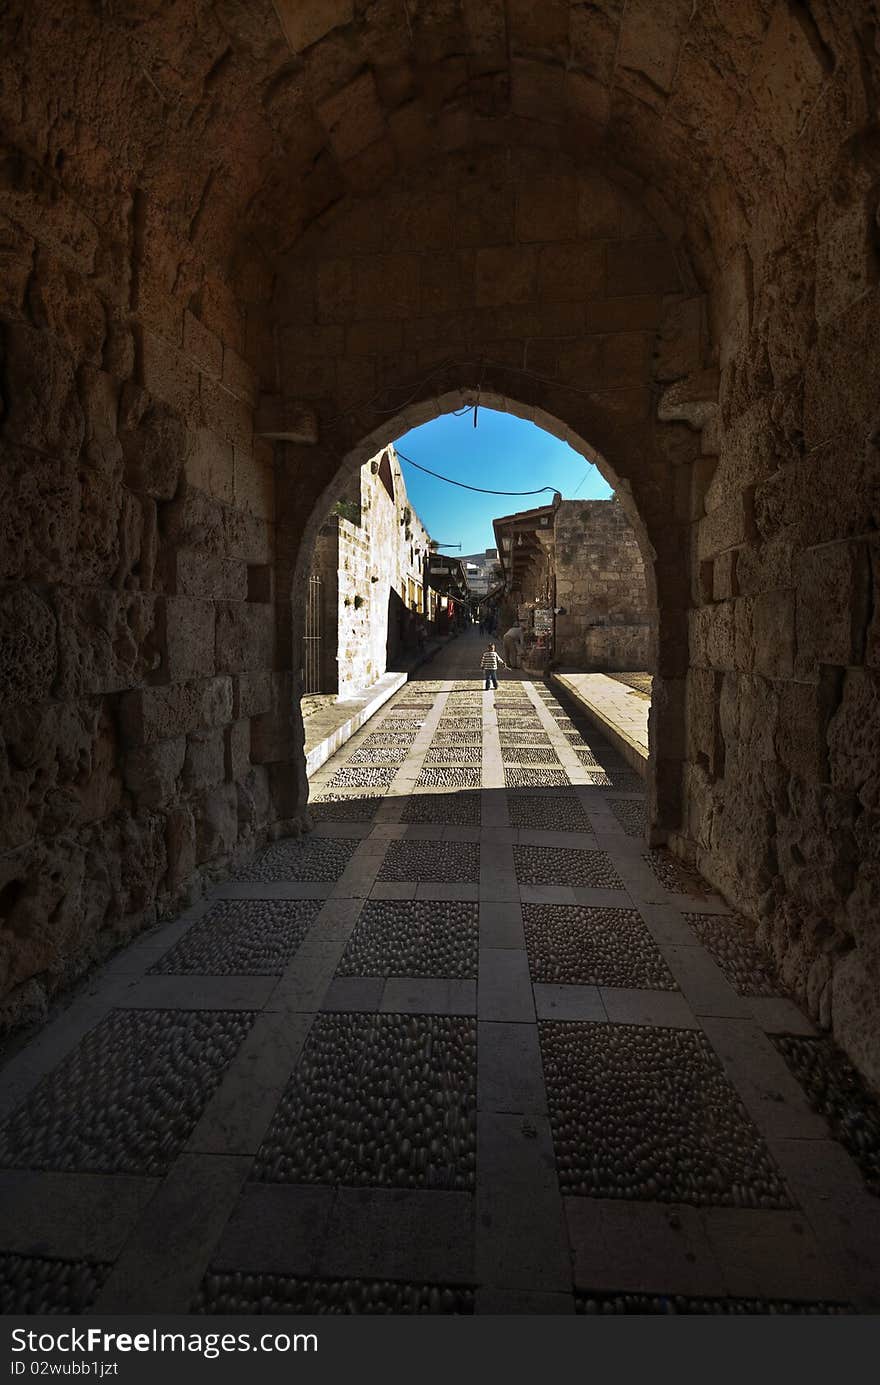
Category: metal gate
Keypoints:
(314, 637)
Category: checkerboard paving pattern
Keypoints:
(431, 1055)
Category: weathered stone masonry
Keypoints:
(650, 228)
(600, 583)
(371, 563)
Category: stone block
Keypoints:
(180, 845)
(64, 302)
(99, 396)
(253, 693)
(833, 585)
(641, 266)
(353, 116)
(244, 636)
(17, 253)
(289, 420)
(43, 410)
(168, 375)
(804, 710)
(275, 735)
(194, 520)
(238, 377)
(537, 91)
(650, 41)
(254, 482)
(204, 764)
(225, 414)
(237, 749)
(107, 640)
(872, 643)
(626, 358)
(28, 648)
(216, 822)
(158, 713)
(387, 286)
(547, 209)
(189, 637)
(854, 738)
(773, 624)
(571, 272)
(724, 585)
(504, 275)
(846, 261)
(209, 464)
(39, 516)
(744, 644)
(220, 579)
(152, 772)
(253, 800)
(598, 208)
(202, 345)
(678, 349)
(728, 526)
(246, 537)
(154, 443)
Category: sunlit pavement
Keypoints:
(467, 1047)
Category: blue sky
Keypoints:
(502, 453)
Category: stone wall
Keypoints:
(140, 651)
(651, 229)
(372, 569)
(600, 581)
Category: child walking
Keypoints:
(489, 664)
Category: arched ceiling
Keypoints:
(237, 115)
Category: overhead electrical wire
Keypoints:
(463, 484)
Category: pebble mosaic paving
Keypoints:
(371, 1113)
(559, 865)
(363, 777)
(378, 1100)
(127, 1099)
(468, 777)
(548, 812)
(622, 1130)
(448, 862)
(654, 1304)
(535, 778)
(570, 945)
(343, 807)
(631, 815)
(674, 875)
(242, 937)
(460, 809)
(454, 755)
(379, 755)
(834, 1089)
(30, 1284)
(275, 1293)
(528, 755)
(749, 970)
(302, 858)
(413, 938)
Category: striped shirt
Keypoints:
(491, 660)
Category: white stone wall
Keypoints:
(381, 570)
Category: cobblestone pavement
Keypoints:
(469, 1047)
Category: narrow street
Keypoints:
(467, 1047)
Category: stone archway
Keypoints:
(665, 729)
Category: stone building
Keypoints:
(601, 588)
(525, 554)
(245, 244)
(367, 581)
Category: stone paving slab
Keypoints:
(341, 1140)
(617, 712)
